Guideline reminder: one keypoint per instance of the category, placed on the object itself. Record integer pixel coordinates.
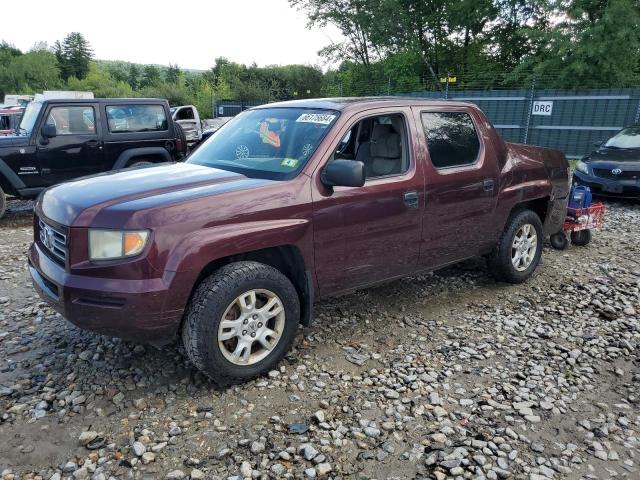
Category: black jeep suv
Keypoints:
(60, 140)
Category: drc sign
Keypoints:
(542, 108)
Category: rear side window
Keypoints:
(76, 120)
(451, 138)
(136, 118)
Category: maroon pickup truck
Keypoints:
(284, 205)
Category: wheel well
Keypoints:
(6, 185)
(145, 158)
(286, 258)
(538, 205)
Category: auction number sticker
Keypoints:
(321, 118)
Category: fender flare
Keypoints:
(11, 176)
(185, 261)
(127, 155)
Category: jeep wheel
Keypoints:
(241, 321)
(3, 203)
(518, 251)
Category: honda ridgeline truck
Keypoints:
(287, 204)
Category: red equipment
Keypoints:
(578, 223)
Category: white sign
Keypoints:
(542, 108)
(321, 118)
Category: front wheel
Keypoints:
(241, 321)
(518, 251)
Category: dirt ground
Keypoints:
(446, 375)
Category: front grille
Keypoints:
(54, 241)
(624, 175)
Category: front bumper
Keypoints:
(608, 187)
(131, 309)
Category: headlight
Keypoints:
(113, 244)
(582, 167)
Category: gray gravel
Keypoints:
(437, 376)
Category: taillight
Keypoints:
(179, 145)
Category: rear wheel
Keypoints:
(241, 321)
(518, 251)
(181, 141)
(3, 203)
(581, 238)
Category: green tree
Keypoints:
(74, 55)
(29, 73)
(133, 76)
(173, 74)
(150, 76)
(597, 45)
(99, 81)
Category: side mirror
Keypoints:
(598, 143)
(48, 131)
(343, 173)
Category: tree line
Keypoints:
(388, 46)
(482, 43)
(70, 65)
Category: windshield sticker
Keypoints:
(320, 118)
(268, 136)
(289, 162)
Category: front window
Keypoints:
(273, 143)
(29, 117)
(78, 120)
(627, 138)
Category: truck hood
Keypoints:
(76, 203)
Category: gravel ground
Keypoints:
(442, 375)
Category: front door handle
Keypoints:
(411, 199)
(488, 184)
(92, 143)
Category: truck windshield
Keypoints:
(271, 143)
(29, 118)
(627, 138)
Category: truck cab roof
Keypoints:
(359, 103)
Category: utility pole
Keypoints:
(528, 122)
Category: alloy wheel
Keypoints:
(524, 246)
(251, 327)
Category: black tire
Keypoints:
(500, 260)
(559, 241)
(209, 303)
(3, 203)
(581, 238)
(183, 139)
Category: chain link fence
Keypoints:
(570, 120)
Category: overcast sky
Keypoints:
(191, 33)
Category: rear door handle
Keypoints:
(487, 185)
(92, 143)
(411, 199)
